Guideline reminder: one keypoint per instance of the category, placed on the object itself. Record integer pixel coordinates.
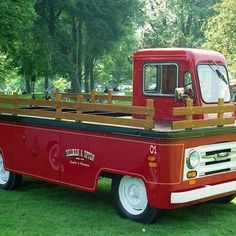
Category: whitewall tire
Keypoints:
(8, 180)
(130, 199)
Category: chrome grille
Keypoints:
(214, 159)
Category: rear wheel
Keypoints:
(8, 180)
(130, 199)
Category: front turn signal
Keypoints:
(192, 174)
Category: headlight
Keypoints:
(193, 159)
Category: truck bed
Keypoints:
(159, 126)
(87, 111)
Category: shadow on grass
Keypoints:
(202, 213)
(60, 194)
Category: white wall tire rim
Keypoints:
(133, 196)
(4, 175)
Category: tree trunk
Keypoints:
(80, 54)
(91, 75)
(51, 18)
(27, 85)
(75, 71)
(86, 75)
(188, 24)
(46, 83)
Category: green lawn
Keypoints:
(39, 208)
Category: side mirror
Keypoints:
(234, 97)
(182, 94)
(179, 93)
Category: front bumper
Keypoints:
(201, 193)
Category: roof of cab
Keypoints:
(198, 55)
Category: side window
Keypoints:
(188, 84)
(160, 78)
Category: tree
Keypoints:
(220, 32)
(176, 23)
(116, 67)
(113, 25)
(8, 75)
(58, 38)
(83, 31)
(16, 19)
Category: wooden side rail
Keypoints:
(191, 110)
(80, 111)
(93, 97)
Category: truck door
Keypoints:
(78, 160)
(160, 80)
(37, 152)
(23, 147)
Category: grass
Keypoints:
(41, 95)
(25, 96)
(39, 208)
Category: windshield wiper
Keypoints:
(219, 74)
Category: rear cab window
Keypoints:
(160, 79)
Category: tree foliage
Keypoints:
(83, 31)
(221, 32)
(176, 23)
(16, 20)
(90, 41)
(8, 75)
(49, 38)
(116, 67)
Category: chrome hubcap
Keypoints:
(132, 193)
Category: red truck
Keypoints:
(174, 147)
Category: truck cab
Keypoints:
(160, 73)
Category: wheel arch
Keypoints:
(131, 199)
(3, 158)
(109, 173)
(7, 157)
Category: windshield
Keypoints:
(212, 85)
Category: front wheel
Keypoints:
(8, 180)
(225, 200)
(130, 199)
